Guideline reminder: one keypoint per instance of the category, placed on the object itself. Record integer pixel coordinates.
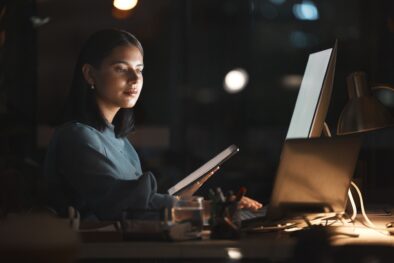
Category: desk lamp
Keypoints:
(363, 112)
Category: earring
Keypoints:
(92, 87)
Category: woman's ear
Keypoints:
(88, 74)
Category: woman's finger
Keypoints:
(249, 203)
(206, 177)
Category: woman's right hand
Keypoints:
(249, 203)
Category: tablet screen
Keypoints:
(204, 169)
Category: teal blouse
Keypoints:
(97, 173)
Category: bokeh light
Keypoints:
(236, 80)
(125, 4)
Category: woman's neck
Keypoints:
(108, 111)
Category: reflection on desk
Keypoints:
(365, 236)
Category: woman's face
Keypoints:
(118, 81)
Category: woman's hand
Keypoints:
(249, 203)
(189, 191)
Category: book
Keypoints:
(204, 169)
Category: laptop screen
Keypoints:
(315, 172)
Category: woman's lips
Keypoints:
(130, 92)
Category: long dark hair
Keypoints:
(81, 105)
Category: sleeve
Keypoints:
(92, 186)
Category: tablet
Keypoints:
(204, 169)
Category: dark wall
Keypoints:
(18, 88)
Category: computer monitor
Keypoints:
(314, 95)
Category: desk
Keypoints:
(272, 246)
(367, 236)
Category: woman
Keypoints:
(90, 164)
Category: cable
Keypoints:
(368, 222)
(354, 208)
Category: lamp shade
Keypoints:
(363, 112)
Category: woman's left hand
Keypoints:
(189, 191)
(249, 203)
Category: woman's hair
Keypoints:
(81, 105)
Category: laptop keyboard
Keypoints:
(245, 214)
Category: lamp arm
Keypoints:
(382, 86)
(326, 130)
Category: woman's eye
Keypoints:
(120, 69)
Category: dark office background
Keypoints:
(184, 116)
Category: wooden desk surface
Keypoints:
(275, 246)
(271, 246)
(367, 236)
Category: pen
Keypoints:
(241, 193)
(230, 196)
(212, 195)
(220, 194)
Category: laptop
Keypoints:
(313, 178)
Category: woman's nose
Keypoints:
(133, 76)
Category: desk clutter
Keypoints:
(189, 218)
(193, 218)
(224, 220)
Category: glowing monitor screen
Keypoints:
(314, 96)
